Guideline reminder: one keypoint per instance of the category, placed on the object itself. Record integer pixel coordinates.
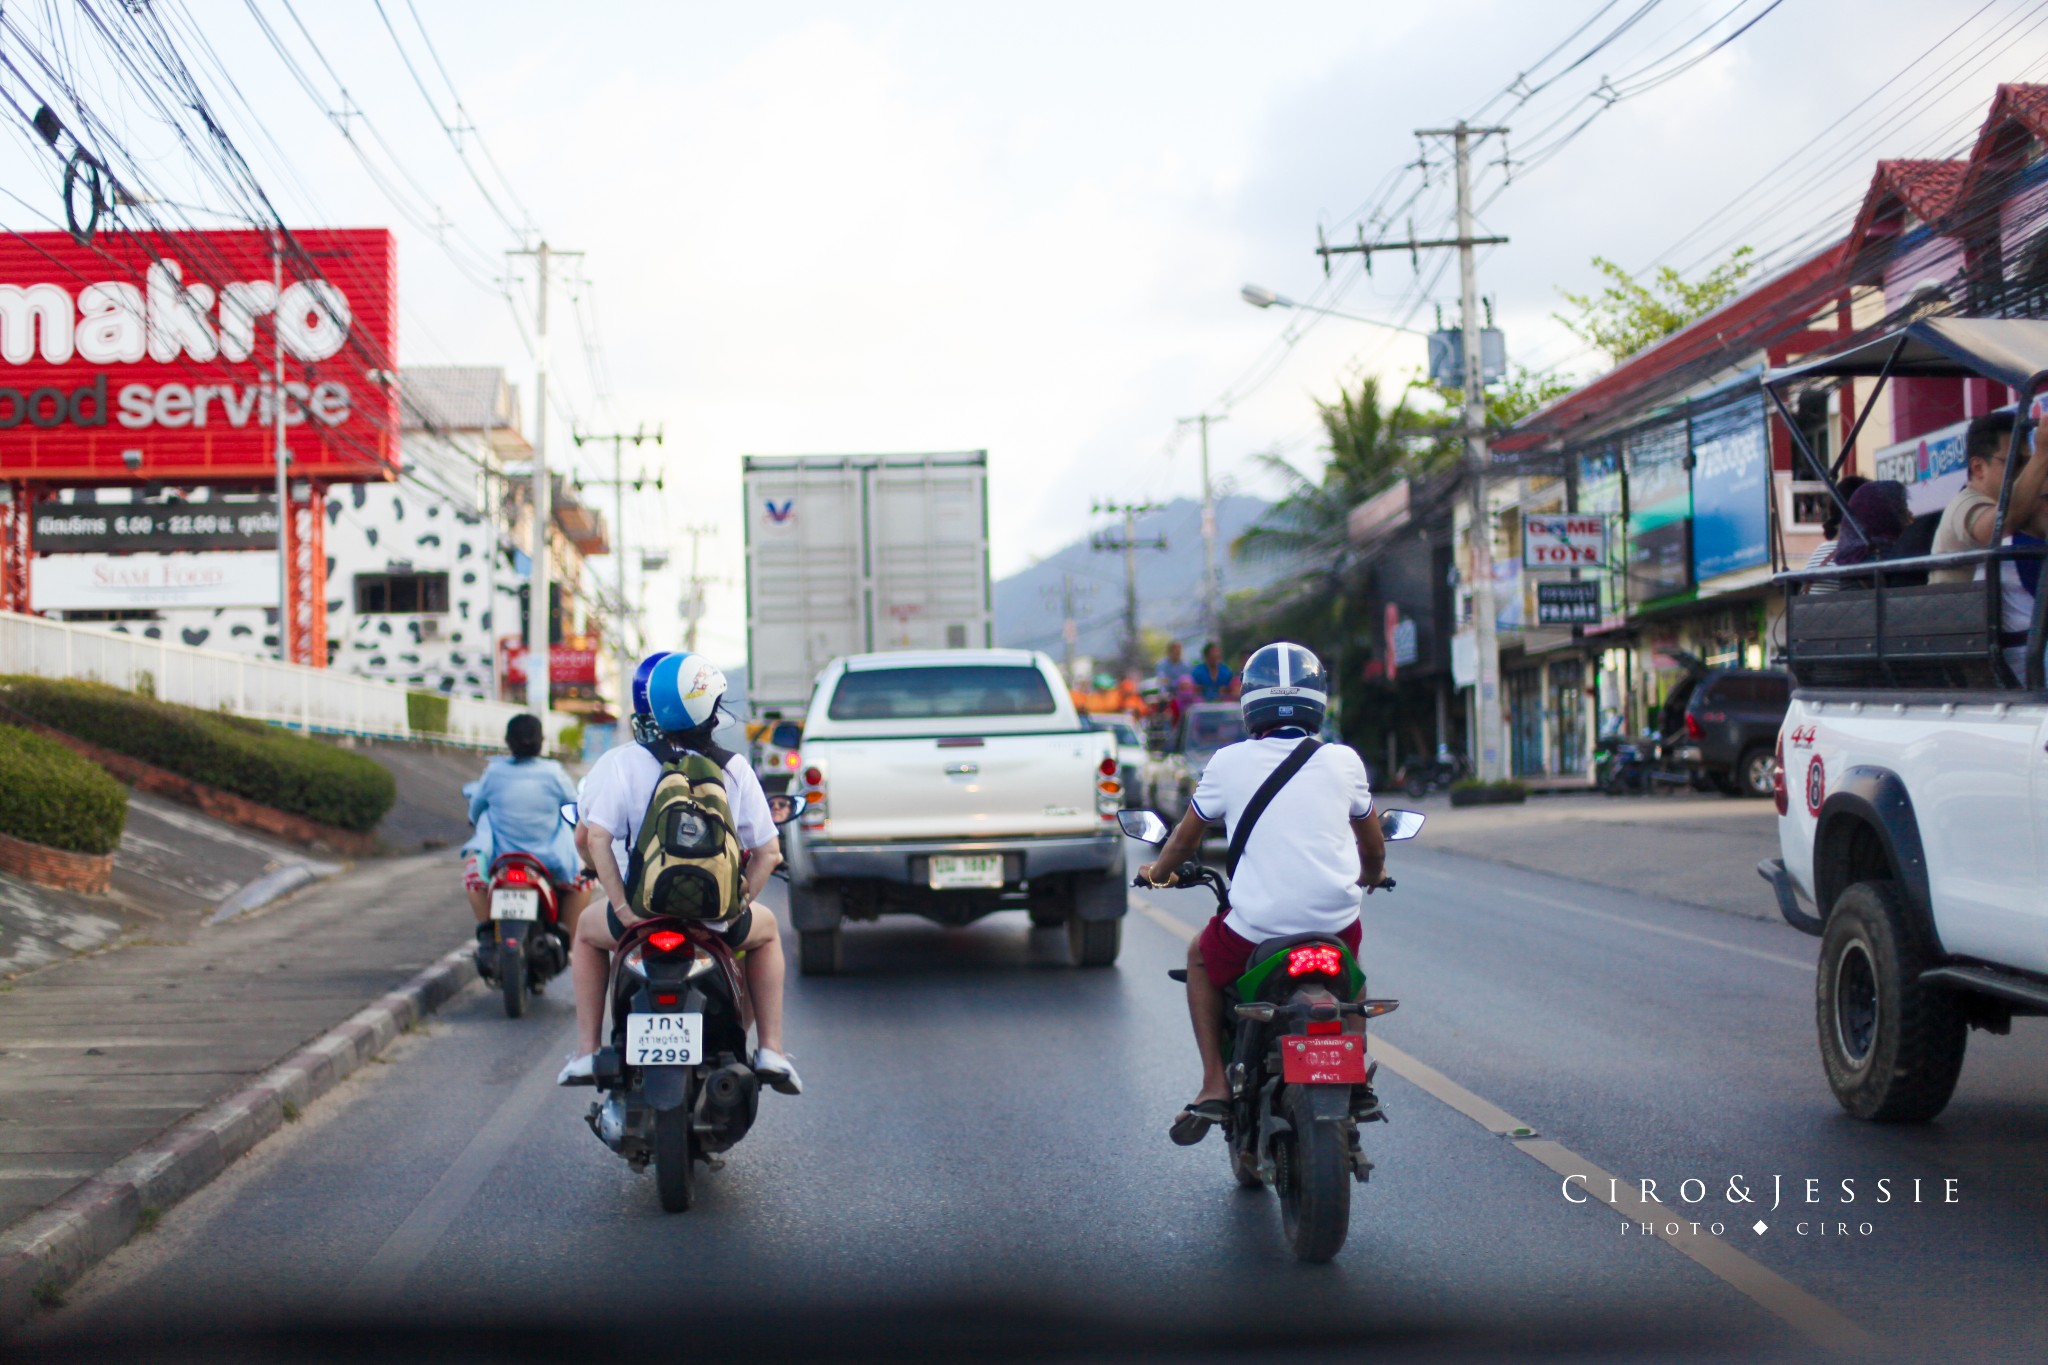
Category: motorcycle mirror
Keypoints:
(783, 808)
(569, 813)
(1400, 824)
(1143, 825)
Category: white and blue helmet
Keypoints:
(683, 692)
(1283, 684)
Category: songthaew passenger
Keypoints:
(1830, 529)
(1966, 524)
(1878, 516)
(2019, 582)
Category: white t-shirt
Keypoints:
(1299, 873)
(616, 790)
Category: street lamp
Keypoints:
(1258, 296)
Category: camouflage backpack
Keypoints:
(685, 862)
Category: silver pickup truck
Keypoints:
(953, 784)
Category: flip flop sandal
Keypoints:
(1193, 1124)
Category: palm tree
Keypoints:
(1371, 447)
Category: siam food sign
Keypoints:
(140, 357)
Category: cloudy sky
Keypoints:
(927, 226)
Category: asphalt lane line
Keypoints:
(388, 1271)
(1818, 1322)
(1658, 929)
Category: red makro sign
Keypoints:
(142, 357)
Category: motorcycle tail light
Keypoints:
(514, 874)
(1321, 1026)
(1778, 794)
(1692, 727)
(666, 1001)
(667, 941)
(1315, 959)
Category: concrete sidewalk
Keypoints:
(103, 1052)
(1686, 846)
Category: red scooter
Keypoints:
(529, 943)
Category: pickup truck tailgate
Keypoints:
(927, 788)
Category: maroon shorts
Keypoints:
(1226, 953)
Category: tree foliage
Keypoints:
(1628, 315)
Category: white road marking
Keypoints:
(1818, 1322)
(385, 1275)
(1658, 929)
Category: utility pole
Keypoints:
(1490, 765)
(1212, 585)
(621, 646)
(1134, 648)
(285, 548)
(693, 588)
(538, 617)
(1070, 626)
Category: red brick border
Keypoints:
(67, 871)
(221, 805)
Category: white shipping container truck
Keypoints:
(857, 554)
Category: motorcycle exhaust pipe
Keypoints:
(729, 1089)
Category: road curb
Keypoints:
(45, 1252)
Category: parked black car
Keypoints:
(1731, 725)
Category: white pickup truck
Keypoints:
(1912, 781)
(952, 784)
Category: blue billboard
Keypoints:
(1731, 461)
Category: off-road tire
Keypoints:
(675, 1163)
(1892, 1047)
(1312, 1172)
(819, 952)
(1094, 942)
(1752, 773)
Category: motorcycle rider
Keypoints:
(516, 807)
(682, 696)
(1300, 871)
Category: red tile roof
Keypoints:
(2017, 113)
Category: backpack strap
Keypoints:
(1263, 797)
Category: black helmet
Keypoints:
(1283, 684)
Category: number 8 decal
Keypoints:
(1816, 785)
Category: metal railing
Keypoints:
(317, 700)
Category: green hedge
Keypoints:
(50, 795)
(263, 763)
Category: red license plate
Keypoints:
(1332, 1059)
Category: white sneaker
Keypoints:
(579, 1070)
(774, 1068)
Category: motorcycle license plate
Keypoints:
(664, 1039)
(515, 905)
(1327, 1059)
(957, 873)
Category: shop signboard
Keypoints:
(1931, 466)
(1568, 604)
(1564, 540)
(568, 666)
(141, 582)
(1660, 561)
(143, 356)
(119, 528)
(1730, 494)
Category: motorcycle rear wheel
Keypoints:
(512, 980)
(675, 1163)
(1312, 1171)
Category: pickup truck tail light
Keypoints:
(1692, 727)
(1778, 778)
(1109, 792)
(817, 810)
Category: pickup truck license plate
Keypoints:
(1328, 1059)
(515, 905)
(664, 1039)
(956, 873)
